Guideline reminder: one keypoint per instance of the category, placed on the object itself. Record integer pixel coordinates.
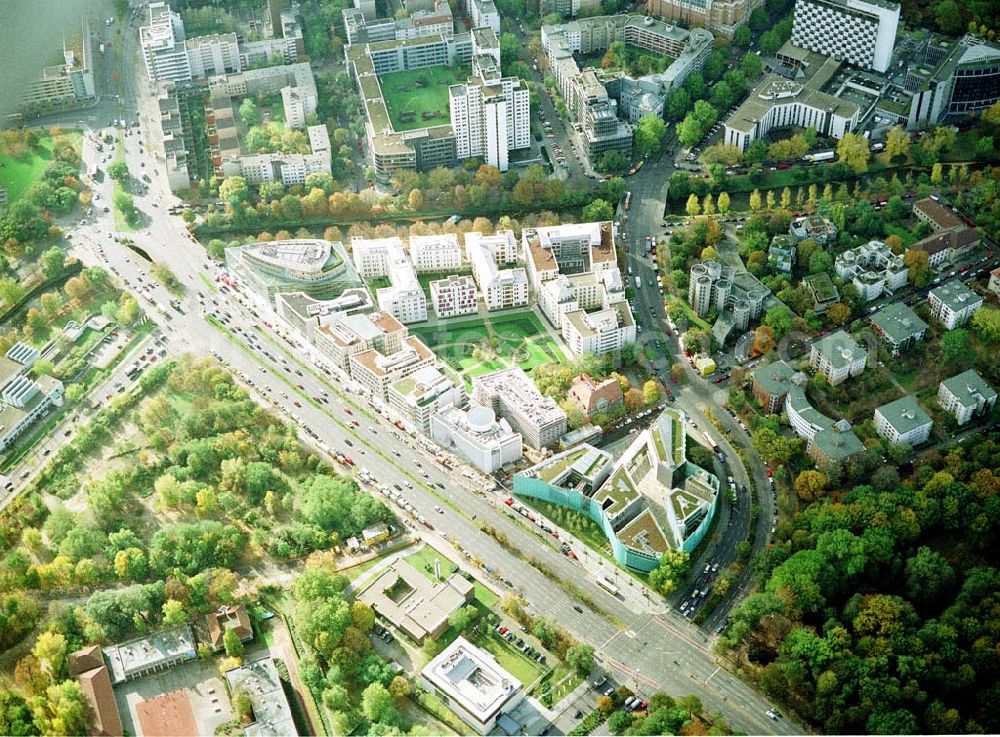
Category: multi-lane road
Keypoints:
(654, 652)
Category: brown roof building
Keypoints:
(87, 666)
(591, 396)
(947, 245)
(936, 215)
(86, 659)
(228, 618)
(169, 715)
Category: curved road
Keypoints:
(649, 192)
(649, 652)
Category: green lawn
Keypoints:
(419, 98)
(520, 341)
(524, 670)
(423, 561)
(904, 234)
(19, 174)
(425, 279)
(575, 523)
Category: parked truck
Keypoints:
(821, 156)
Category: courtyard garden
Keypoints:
(479, 346)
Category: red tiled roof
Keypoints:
(169, 715)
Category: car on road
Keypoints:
(438, 509)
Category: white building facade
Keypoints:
(454, 296)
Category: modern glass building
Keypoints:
(648, 501)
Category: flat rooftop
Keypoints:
(472, 678)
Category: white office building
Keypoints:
(377, 371)
(861, 32)
(417, 397)
(163, 47)
(502, 287)
(454, 296)
(472, 684)
(903, 421)
(953, 303)
(477, 436)
(24, 400)
(513, 396)
(966, 396)
(435, 252)
(873, 269)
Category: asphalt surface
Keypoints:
(694, 395)
(648, 652)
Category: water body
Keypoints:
(31, 35)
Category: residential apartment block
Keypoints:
(781, 253)
(415, 398)
(898, 326)
(967, 396)
(738, 297)
(861, 32)
(514, 397)
(385, 257)
(435, 252)
(838, 357)
(930, 210)
(162, 44)
(953, 303)
(827, 440)
(771, 383)
(721, 17)
(573, 267)
(502, 287)
(903, 421)
(873, 269)
(599, 332)
(817, 227)
(478, 436)
(454, 295)
(490, 113)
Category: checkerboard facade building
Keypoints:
(858, 32)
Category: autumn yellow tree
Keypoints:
(810, 484)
